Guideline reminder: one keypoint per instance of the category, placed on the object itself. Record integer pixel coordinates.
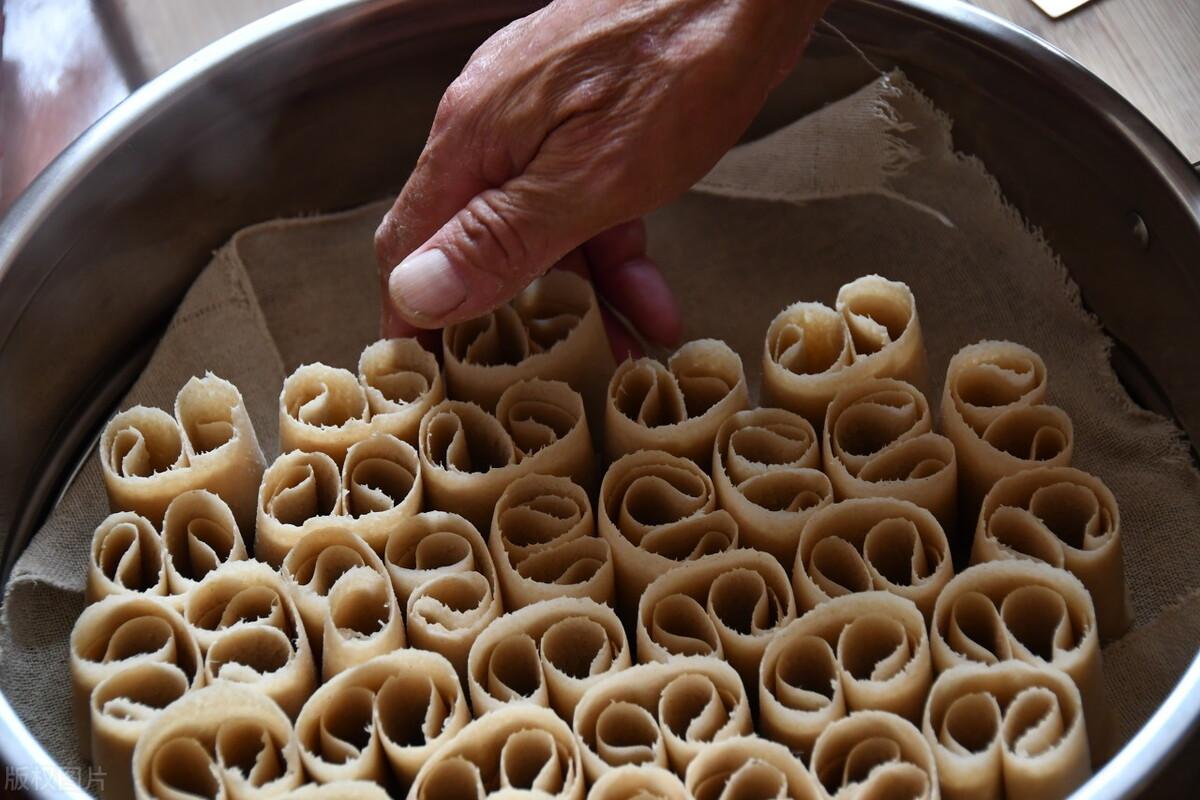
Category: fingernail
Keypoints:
(426, 285)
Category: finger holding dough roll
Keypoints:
(148, 457)
(120, 632)
(656, 511)
(122, 705)
(322, 410)
(199, 534)
(126, 557)
(749, 768)
(660, 713)
(300, 492)
(879, 442)
(766, 474)
(383, 717)
(994, 411)
(644, 782)
(677, 407)
(402, 381)
(859, 651)
(1007, 730)
(1026, 611)
(380, 485)
(345, 598)
(551, 330)
(1068, 519)
(544, 544)
(872, 543)
(517, 751)
(224, 740)
(727, 605)
(251, 633)
(872, 754)
(548, 653)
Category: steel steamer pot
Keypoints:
(326, 105)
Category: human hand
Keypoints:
(563, 129)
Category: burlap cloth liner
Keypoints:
(868, 184)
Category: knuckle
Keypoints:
(494, 239)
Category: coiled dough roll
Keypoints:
(749, 768)
(300, 492)
(872, 754)
(993, 409)
(121, 632)
(644, 782)
(677, 407)
(402, 381)
(126, 557)
(340, 790)
(223, 740)
(520, 750)
(551, 330)
(879, 442)
(1068, 519)
(148, 457)
(382, 718)
(345, 598)
(872, 543)
(322, 410)
(544, 544)
(250, 633)
(765, 468)
(122, 706)
(469, 456)
(1026, 611)
(444, 578)
(548, 653)
(727, 605)
(380, 485)
(199, 534)
(1007, 730)
(656, 511)
(812, 351)
(661, 714)
(859, 651)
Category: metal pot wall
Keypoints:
(348, 90)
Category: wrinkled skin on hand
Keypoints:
(563, 129)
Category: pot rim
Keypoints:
(23, 756)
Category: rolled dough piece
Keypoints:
(300, 492)
(340, 790)
(322, 410)
(660, 713)
(380, 485)
(868, 650)
(224, 740)
(126, 557)
(199, 534)
(872, 543)
(1007, 730)
(1068, 519)
(871, 754)
(879, 442)
(749, 768)
(548, 653)
(644, 782)
(402, 381)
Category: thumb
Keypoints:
(487, 252)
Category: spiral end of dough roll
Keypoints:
(300, 492)
(380, 485)
(747, 767)
(126, 557)
(402, 381)
(199, 534)
(875, 754)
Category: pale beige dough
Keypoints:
(548, 653)
(868, 650)
(657, 510)
(148, 457)
(300, 492)
(126, 557)
(224, 740)
(726, 605)
(322, 410)
(551, 330)
(1068, 519)
(1007, 730)
(345, 598)
(1027, 611)
(402, 381)
(874, 754)
(644, 782)
(340, 790)
(520, 750)
(381, 485)
(544, 544)
(199, 534)
(749, 768)
(381, 718)
(677, 407)
(878, 441)
(872, 543)
(765, 468)
(660, 713)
